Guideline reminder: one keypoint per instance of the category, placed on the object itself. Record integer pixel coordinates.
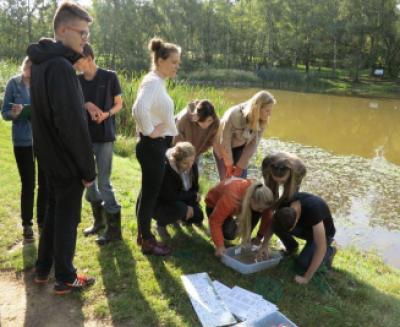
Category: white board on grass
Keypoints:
(209, 307)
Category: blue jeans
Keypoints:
(307, 253)
(101, 189)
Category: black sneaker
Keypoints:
(81, 282)
(41, 279)
(28, 234)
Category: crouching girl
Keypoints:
(245, 199)
(179, 196)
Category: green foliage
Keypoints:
(247, 35)
(134, 289)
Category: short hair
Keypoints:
(181, 151)
(205, 109)
(88, 51)
(284, 219)
(160, 49)
(69, 11)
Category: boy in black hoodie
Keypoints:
(62, 143)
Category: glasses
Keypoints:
(83, 33)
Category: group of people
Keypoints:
(70, 133)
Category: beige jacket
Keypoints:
(234, 132)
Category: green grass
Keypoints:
(147, 291)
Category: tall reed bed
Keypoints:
(181, 93)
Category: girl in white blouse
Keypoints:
(154, 114)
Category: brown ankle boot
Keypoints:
(151, 246)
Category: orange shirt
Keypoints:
(226, 200)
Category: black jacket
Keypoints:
(172, 187)
(60, 133)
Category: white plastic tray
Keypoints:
(248, 268)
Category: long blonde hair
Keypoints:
(261, 194)
(252, 109)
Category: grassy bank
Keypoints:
(136, 290)
(316, 81)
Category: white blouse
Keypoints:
(154, 106)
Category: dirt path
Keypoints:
(22, 303)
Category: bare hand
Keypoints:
(16, 109)
(219, 252)
(198, 197)
(301, 280)
(86, 184)
(101, 117)
(263, 254)
(158, 130)
(93, 110)
(189, 213)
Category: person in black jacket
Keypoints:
(179, 196)
(62, 143)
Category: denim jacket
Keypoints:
(17, 92)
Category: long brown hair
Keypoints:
(278, 165)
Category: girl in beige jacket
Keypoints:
(240, 131)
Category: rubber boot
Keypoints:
(113, 229)
(98, 215)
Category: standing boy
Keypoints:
(62, 143)
(103, 100)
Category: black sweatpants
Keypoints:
(26, 168)
(58, 238)
(151, 156)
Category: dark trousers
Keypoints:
(168, 213)
(58, 238)
(151, 156)
(229, 227)
(305, 257)
(26, 168)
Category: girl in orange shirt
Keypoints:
(246, 199)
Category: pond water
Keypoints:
(351, 147)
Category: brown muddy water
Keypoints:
(351, 147)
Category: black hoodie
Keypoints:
(60, 134)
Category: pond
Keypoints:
(351, 147)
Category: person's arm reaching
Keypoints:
(319, 254)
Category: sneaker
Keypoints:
(41, 279)
(81, 282)
(28, 234)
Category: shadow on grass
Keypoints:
(125, 300)
(190, 251)
(332, 298)
(43, 308)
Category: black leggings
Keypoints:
(151, 156)
(229, 227)
(26, 168)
